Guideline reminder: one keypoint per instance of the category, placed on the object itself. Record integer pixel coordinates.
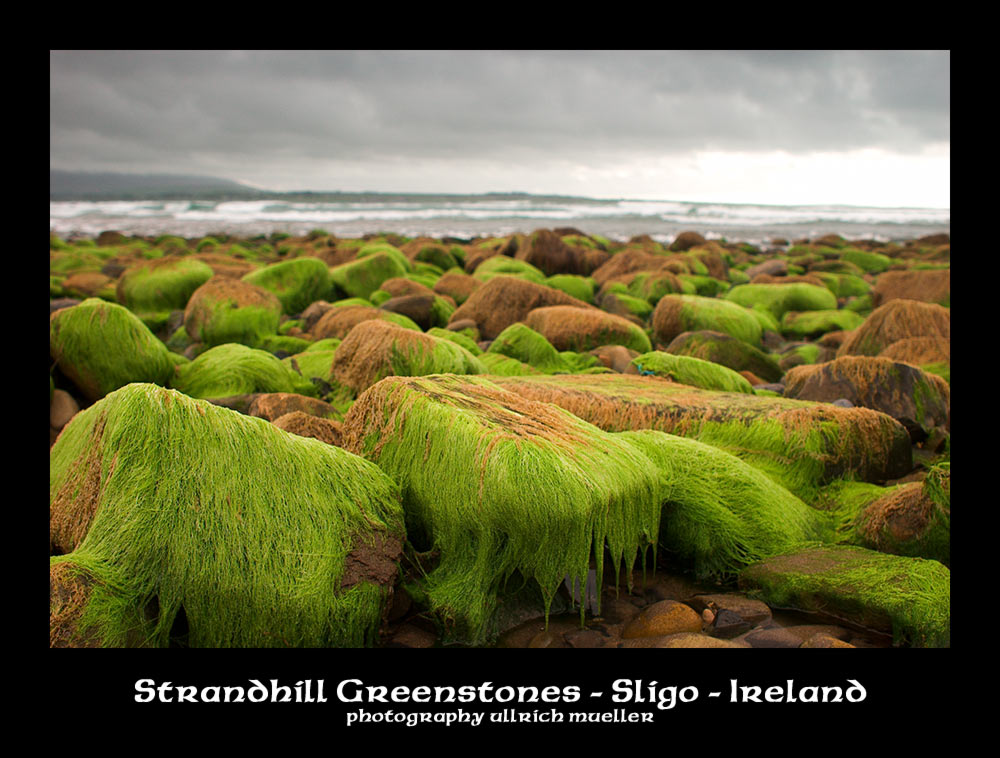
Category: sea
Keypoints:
(477, 216)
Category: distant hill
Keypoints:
(72, 185)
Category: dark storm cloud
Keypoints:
(189, 109)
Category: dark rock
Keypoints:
(411, 636)
(62, 302)
(583, 638)
(771, 387)
(770, 638)
(662, 618)
(113, 269)
(682, 640)
(418, 308)
(686, 240)
(62, 409)
(773, 267)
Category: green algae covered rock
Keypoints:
(897, 320)
(871, 263)
(381, 247)
(920, 401)
(909, 597)
(360, 278)
(278, 343)
(727, 351)
(102, 346)
(167, 508)
(911, 519)
(338, 321)
(695, 372)
(296, 283)
(568, 327)
(235, 369)
(528, 346)
(157, 287)
(580, 287)
(375, 349)
(311, 364)
(719, 513)
(459, 338)
(801, 445)
(622, 304)
(502, 265)
(778, 299)
(229, 310)
(653, 285)
(503, 488)
(811, 324)
(502, 365)
(676, 314)
(843, 285)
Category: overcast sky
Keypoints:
(847, 127)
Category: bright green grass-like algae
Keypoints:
(103, 346)
(719, 513)
(234, 369)
(178, 504)
(684, 369)
(463, 451)
(909, 596)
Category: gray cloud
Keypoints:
(209, 111)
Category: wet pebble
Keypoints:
(662, 618)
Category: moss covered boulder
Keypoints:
(626, 306)
(550, 253)
(463, 449)
(918, 400)
(504, 300)
(695, 372)
(497, 364)
(931, 354)
(153, 288)
(102, 346)
(84, 284)
(580, 329)
(908, 597)
(778, 299)
(457, 285)
(719, 513)
(425, 310)
(867, 261)
(376, 349)
(801, 445)
(912, 519)
(338, 321)
(928, 286)
(524, 344)
(580, 287)
(727, 351)
(626, 262)
(234, 369)
(896, 320)
(811, 324)
(500, 265)
(178, 528)
(311, 364)
(676, 314)
(229, 310)
(296, 283)
(361, 277)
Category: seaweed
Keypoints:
(173, 509)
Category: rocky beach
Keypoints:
(544, 439)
